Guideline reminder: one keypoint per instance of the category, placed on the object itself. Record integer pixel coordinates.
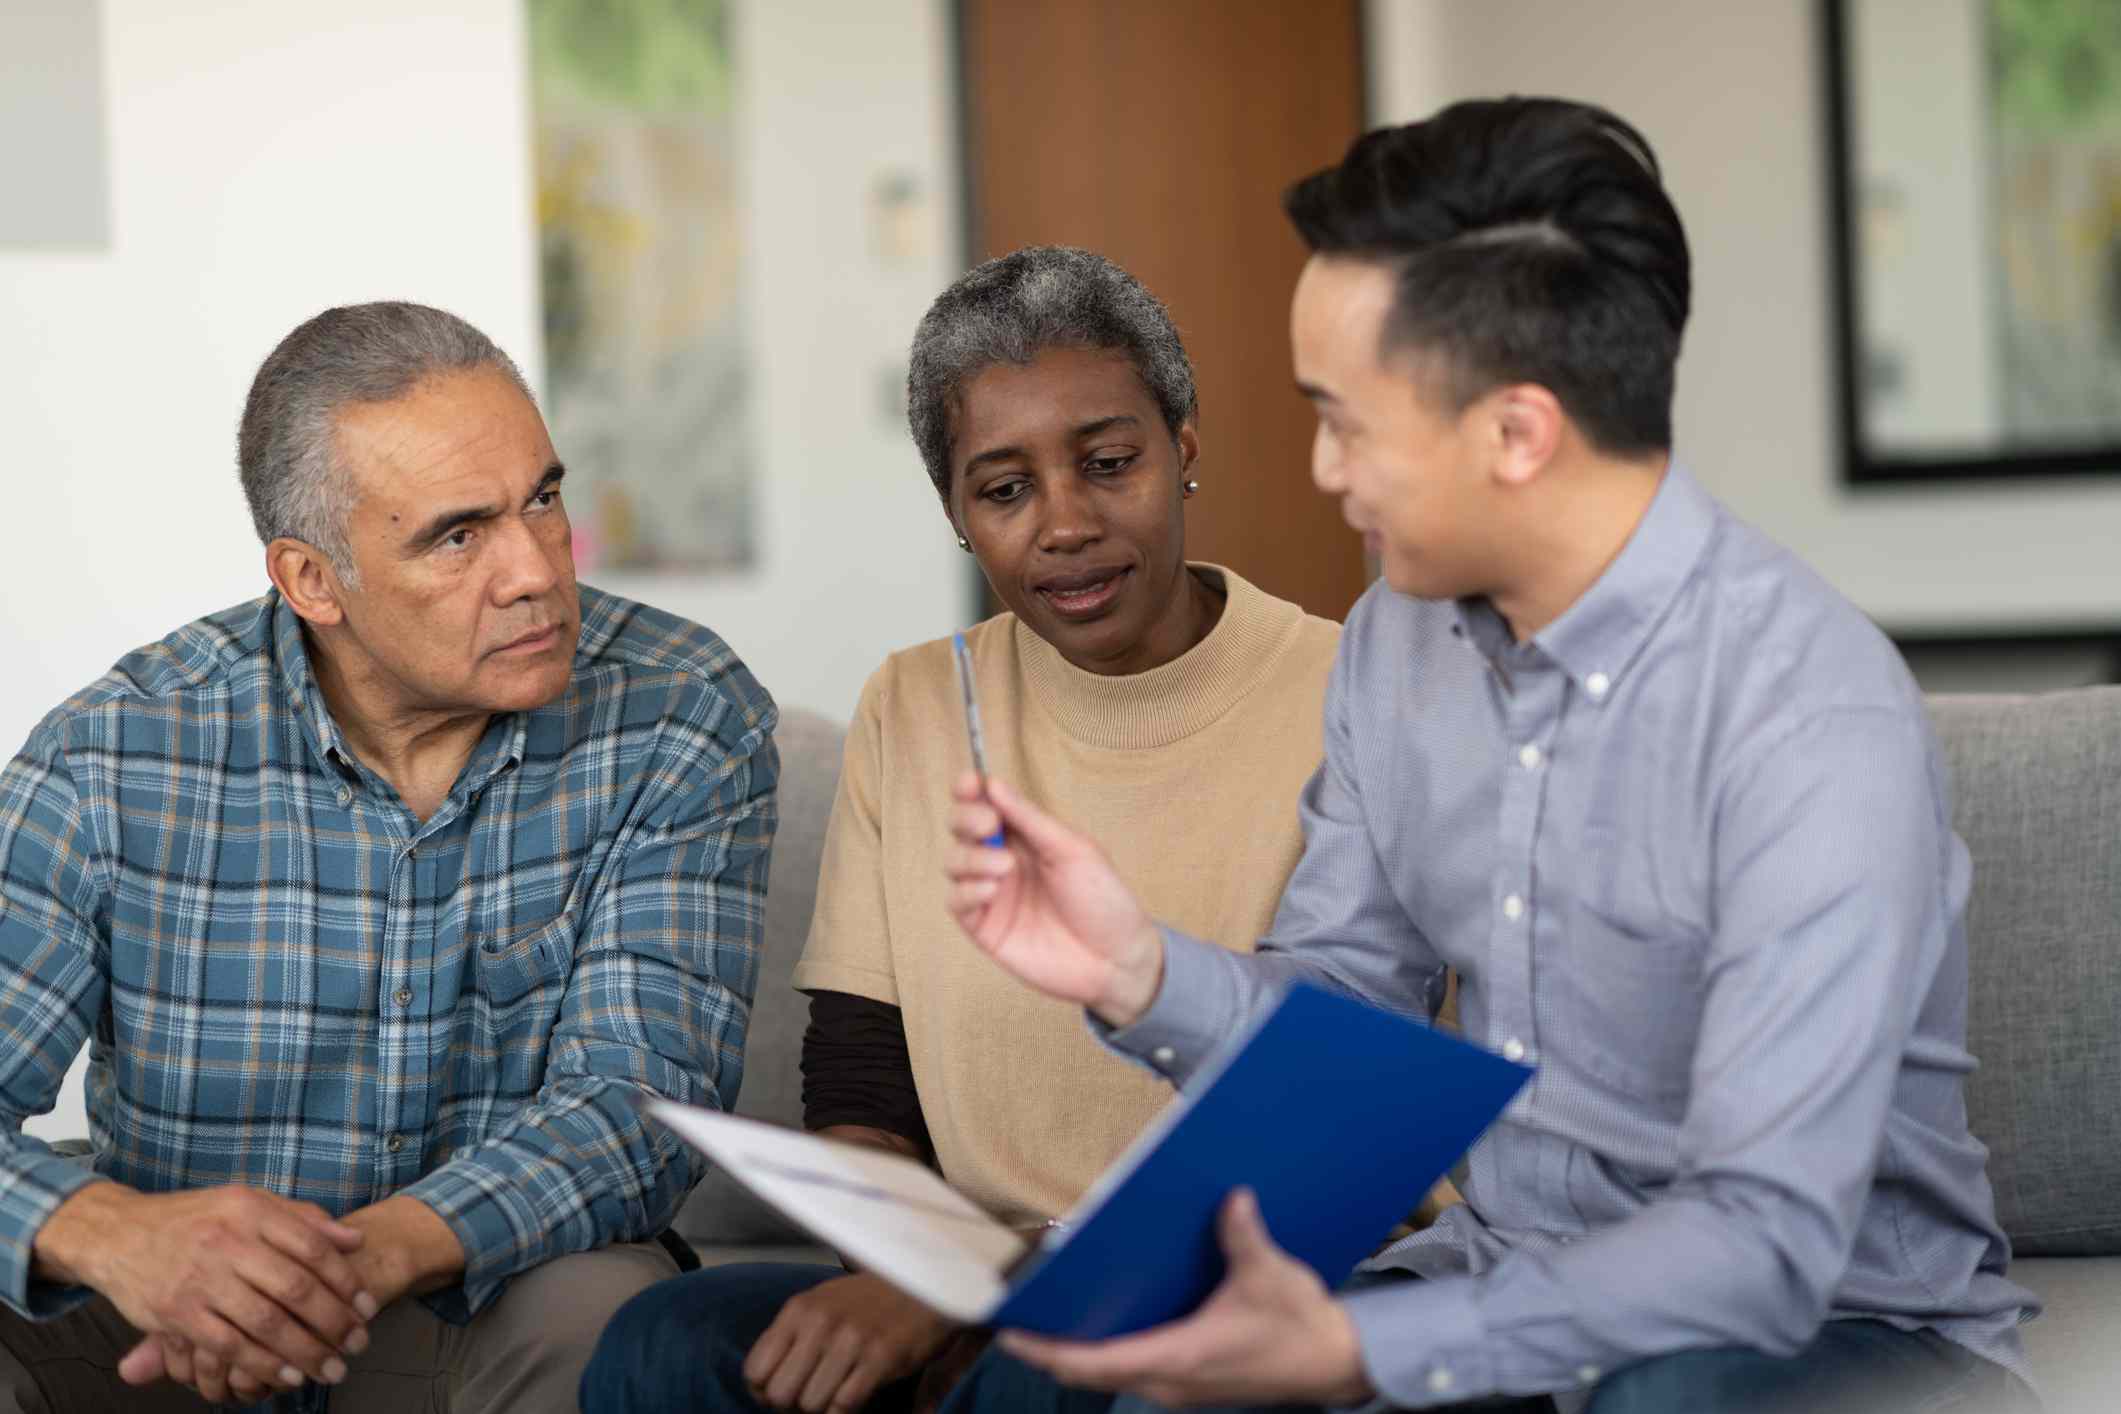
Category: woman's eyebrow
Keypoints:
(1106, 424)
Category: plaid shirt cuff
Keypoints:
(499, 1231)
(33, 1183)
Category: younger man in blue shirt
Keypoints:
(1667, 803)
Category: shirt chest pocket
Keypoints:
(1629, 978)
(523, 969)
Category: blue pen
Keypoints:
(972, 726)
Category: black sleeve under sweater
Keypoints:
(856, 1069)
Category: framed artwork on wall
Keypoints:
(641, 265)
(1975, 158)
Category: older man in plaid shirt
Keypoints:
(381, 902)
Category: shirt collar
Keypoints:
(499, 749)
(1598, 638)
(299, 682)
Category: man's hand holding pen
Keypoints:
(1048, 905)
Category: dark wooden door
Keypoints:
(1161, 133)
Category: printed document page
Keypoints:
(887, 1214)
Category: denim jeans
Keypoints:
(680, 1346)
(1852, 1367)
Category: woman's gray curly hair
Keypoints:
(1014, 308)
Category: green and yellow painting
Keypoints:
(641, 260)
(2055, 71)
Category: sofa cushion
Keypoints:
(721, 1212)
(2075, 1346)
(2036, 794)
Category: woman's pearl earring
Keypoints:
(1190, 486)
(964, 544)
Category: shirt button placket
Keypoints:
(1530, 711)
(394, 1071)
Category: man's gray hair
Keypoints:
(1013, 309)
(287, 448)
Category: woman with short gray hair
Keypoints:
(1172, 702)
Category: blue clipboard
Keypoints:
(1340, 1115)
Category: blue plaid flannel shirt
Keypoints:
(287, 981)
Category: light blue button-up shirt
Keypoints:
(1690, 852)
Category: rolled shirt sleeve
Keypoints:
(50, 994)
(656, 1007)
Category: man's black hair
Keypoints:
(1531, 241)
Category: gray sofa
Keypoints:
(2037, 797)
(2036, 794)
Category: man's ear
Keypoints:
(306, 581)
(1526, 422)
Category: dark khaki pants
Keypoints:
(523, 1354)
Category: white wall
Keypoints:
(51, 84)
(267, 160)
(1731, 97)
(272, 158)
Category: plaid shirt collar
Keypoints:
(500, 748)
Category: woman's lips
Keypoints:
(1086, 601)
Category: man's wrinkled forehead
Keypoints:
(445, 431)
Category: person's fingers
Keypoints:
(978, 861)
(854, 1391)
(973, 822)
(246, 1389)
(302, 1293)
(343, 1237)
(275, 1340)
(1059, 1358)
(1126, 1362)
(972, 895)
(177, 1357)
(219, 1380)
(968, 904)
(769, 1349)
(209, 1376)
(785, 1385)
(1046, 835)
(144, 1363)
(260, 1364)
(320, 1251)
(1245, 1239)
(209, 1380)
(835, 1362)
(979, 813)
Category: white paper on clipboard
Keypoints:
(887, 1214)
